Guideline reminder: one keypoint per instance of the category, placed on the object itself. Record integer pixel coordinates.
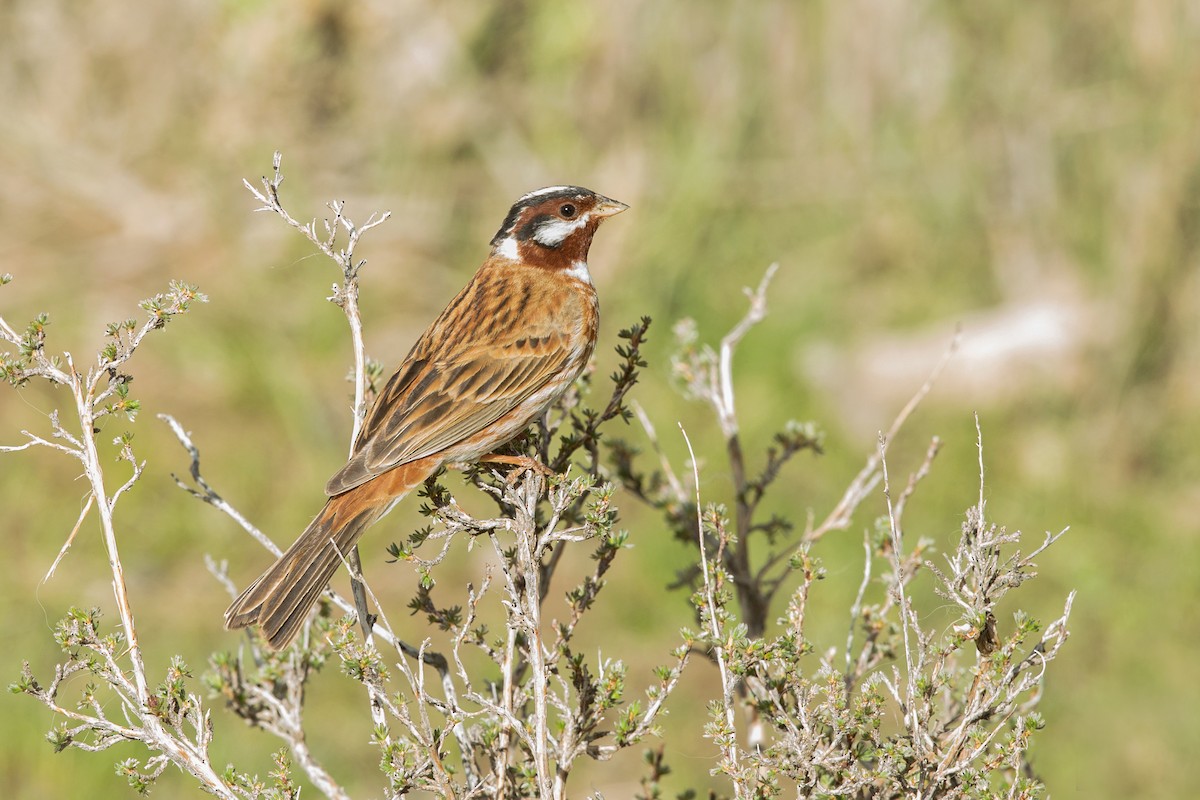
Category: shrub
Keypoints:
(904, 709)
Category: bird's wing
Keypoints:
(448, 389)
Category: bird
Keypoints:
(512, 341)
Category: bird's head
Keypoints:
(553, 227)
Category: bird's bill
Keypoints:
(607, 207)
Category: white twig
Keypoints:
(62, 552)
(898, 565)
(726, 411)
(727, 681)
(644, 419)
(868, 477)
(82, 392)
(345, 297)
(856, 609)
(207, 493)
(979, 447)
(35, 440)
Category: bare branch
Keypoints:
(62, 551)
(868, 477)
(757, 312)
(206, 493)
(728, 683)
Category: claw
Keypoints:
(521, 464)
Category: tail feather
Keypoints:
(279, 601)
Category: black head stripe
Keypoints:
(535, 198)
(530, 228)
(508, 223)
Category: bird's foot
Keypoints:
(521, 464)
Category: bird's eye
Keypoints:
(567, 210)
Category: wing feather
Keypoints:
(451, 386)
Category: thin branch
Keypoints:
(345, 297)
(897, 551)
(755, 314)
(209, 495)
(35, 440)
(727, 681)
(935, 447)
(856, 608)
(62, 552)
(868, 477)
(673, 482)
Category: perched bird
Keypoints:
(504, 349)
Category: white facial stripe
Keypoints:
(507, 248)
(554, 232)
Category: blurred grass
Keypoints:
(911, 165)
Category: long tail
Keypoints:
(282, 596)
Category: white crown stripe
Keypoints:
(549, 190)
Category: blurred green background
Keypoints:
(1029, 171)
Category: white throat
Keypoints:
(579, 271)
(507, 248)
